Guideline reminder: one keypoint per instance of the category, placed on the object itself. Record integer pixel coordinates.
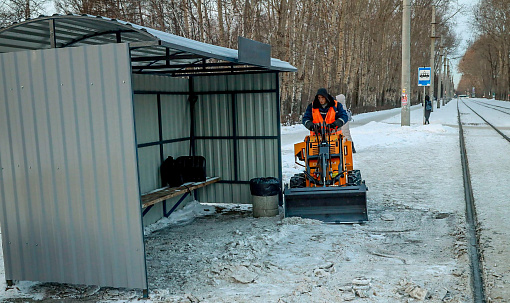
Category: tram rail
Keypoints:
(473, 237)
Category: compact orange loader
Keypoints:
(329, 189)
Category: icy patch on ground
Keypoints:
(22, 289)
(181, 216)
(193, 210)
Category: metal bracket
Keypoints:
(134, 45)
(175, 206)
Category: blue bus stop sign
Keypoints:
(423, 76)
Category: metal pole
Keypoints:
(453, 85)
(439, 73)
(405, 117)
(53, 35)
(447, 79)
(444, 76)
(424, 105)
(432, 53)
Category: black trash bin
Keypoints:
(265, 193)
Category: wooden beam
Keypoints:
(166, 193)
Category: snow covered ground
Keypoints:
(412, 248)
(489, 164)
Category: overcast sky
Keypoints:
(464, 32)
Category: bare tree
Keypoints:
(18, 10)
(347, 46)
(492, 19)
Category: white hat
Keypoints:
(341, 98)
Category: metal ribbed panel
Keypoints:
(175, 116)
(146, 117)
(211, 84)
(149, 160)
(229, 126)
(249, 100)
(213, 115)
(257, 159)
(176, 149)
(252, 82)
(219, 157)
(157, 83)
(175, 124)
(69, 186)
(214, 118)
(261, 110)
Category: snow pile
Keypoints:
(181, 216)
(191, 211)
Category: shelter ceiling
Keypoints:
(152, 51)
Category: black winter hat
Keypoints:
(427, 98)
(323, 92)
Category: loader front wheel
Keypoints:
(298, 181)
(354, 177)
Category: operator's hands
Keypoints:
(309, 125)
(337, 123)
(314, 127)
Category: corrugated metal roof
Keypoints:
(152, 51)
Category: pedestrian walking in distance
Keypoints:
(428, 109)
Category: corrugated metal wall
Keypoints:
(164, 106)
(236, 128)
(69, 189)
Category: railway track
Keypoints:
(480, 262)
(495, 107)
(499, 108)
(473, 238)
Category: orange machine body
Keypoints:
(340, 162)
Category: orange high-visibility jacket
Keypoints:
(330, 117)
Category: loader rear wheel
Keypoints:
(298, 181)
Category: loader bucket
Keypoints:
(336, 204)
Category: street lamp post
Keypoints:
(432, 52)
(439, 73)
(445, 75)
(405, 118)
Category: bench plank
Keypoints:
(165, 193)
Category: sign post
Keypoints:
(405, 113)
(424, 80)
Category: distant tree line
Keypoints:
(347, 46)
(486, 63)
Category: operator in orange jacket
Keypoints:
(324, 108)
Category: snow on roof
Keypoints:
(151, 49)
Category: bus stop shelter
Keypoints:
(89, 109)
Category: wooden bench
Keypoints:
(161, 194)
